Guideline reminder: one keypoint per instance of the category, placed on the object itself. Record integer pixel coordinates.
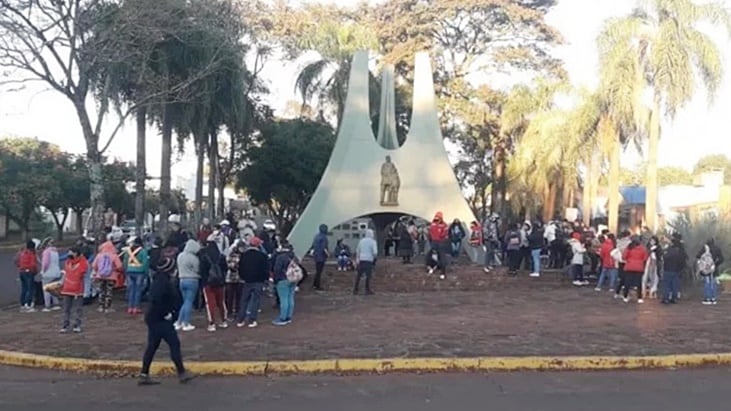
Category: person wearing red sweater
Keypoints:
(635, 257)
(27, 262)
(72, 290)
(438, 233)
(609, 269)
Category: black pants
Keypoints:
(622, 282)
(319, 267)
(577, 272)
(365, 269)
(157, 332)
(632, 280)
(556, 255)
(514, 259)
(594, 262)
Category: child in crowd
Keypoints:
(72, 291)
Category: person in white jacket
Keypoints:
(50, 272)
(577, 261)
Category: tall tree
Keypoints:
(672, 55)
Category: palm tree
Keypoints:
(327, 77)
(661, 45)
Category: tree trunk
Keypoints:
(651, 180)
(140, 171)
(95, 160)
(212, 160)
(585, 194)
(79, 221)
(59, 223)
(220, 204)
(613, 190)
(200, 152)
(499, 180)
(594, 183)
(549, 207)
(165, 161)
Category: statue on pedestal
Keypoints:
(390, 183)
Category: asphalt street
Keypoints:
(627, 391)
(9, 291)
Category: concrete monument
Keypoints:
(415, 179)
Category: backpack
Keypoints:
(215, 274)
(514, 238)
(105, 266)
(706, 265)
(294, 272)
(27, 261)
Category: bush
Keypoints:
(696, 232)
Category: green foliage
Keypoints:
(27, 170)
(670, 175)
(285, 167)
(714, 162)
(697, 232)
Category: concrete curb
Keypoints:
(111, 368)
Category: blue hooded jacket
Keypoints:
(320, 245)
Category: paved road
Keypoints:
(9, 290)
(627, 391)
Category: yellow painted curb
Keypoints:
(371, 366)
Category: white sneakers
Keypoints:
(535, 275)
(188, 327)
(211, 328)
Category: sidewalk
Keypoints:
(505, 317)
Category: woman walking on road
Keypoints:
(159, 320)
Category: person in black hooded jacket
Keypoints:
(213, 282)
(675, 260)
(159, 318)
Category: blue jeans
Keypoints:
(250, 300)
(709, 287)
(285, 291)
(609, 274)
(26, 288)
(536, 257)
(189, 290)
(134, 289)
(671, 285)
(343, 261)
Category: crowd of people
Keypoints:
(227, 270)
(643, 263)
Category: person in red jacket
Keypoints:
(27, 262)
(635, 257)
(609, 269)
(438, 233)
(72, 291)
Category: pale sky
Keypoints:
(698, 130)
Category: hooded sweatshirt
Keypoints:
(136, 260)
(107, 250)
(281, 263)
(367, 249)
(188, 263)
(578, 249)
(320, 245)
(438, 229)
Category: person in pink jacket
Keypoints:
(106, 268)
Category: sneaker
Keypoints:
(296, 289)
(108, 310)
(640, 301)
(145, 379)
(288, 321)
(77, 330)
(714, 302)
(442, 277)
(431, 271)
(186, 377)
(598, 289)
(616, 296)
(46, 310)
(64, 330)
(241, 324)
(279, 323)
(253, 324)
(188, 327)
(625, 299)
(535, 275)
(23, 308)
(178, 326)
(211, 328)
(584, 282)
(707, 302)
(56, 308)
(100, 310)
(223, 325)
(130, 311)
(486, 270)
(30, 310)
(577, 283)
